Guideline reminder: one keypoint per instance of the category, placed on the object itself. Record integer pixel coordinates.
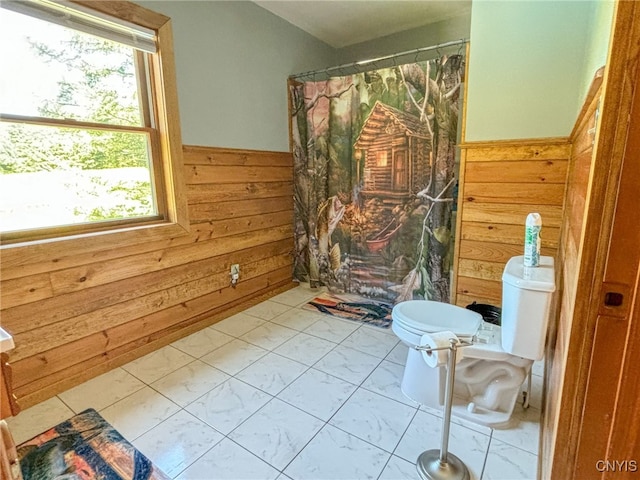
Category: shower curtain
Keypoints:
(375, 178)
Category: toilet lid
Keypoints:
(428, 316)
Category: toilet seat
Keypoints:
(425, 316)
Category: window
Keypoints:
(381, 158)
(87, 139)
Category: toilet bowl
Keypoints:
(491, 371)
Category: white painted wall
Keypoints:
(531, 63)
(439, 32)
(232, 63)
(526, 67)
(597, 45)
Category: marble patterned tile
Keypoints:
(348, 364)
(297, 319)
(277, 432)
(336, 455)
(505, 462)
(228, 405)
(272, 373)
(525, 431)
(202, 342)
(386, 380)
(238, 324)
(229, 461)
(424, 433)
(269, 335)
(398, 354)
(101, 391)
(399, 469)
(386, 331)
(463, 422)
(37, 419)
(374, 418)
(189, 382)
(157, 364)
(177, 442)
(305, 348)
(369, 341)
(234, 356)
(317, 393)
(296, 296)
(331, 329)
(267, 310)
(139, 412)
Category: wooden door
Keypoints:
(400, 170)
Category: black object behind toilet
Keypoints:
(490, 313)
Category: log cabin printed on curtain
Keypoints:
(374, 179)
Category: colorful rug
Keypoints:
(353, 307)
(84, 447)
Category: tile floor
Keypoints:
(277, 392)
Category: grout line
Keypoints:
(67, 405)
(486, 456)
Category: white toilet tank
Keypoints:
(526, 305)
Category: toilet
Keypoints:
(490, 371)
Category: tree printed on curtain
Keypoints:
(374, 176)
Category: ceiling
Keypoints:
(342, 23)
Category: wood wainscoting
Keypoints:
(567, 272)
(81, 313)
(500, 183)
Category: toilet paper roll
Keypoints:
(438, 340)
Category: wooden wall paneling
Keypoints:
(567, 273)
(518, 150)
(33, 264)
(208, 193)
(507, 234)
(197, 174)
(478, 286)
(197, 155)
(548, 171)
(202, 212)
(611, 372)
(19, 291)
(85, 276)
(49, 336)
(511, 214)
(503, 182)
(113, 338)
(486, 192)
(65, 380)
(494, 251)
(51, 310)
(80, 311)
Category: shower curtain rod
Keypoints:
(361, 63)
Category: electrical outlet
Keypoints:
(235, 270)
